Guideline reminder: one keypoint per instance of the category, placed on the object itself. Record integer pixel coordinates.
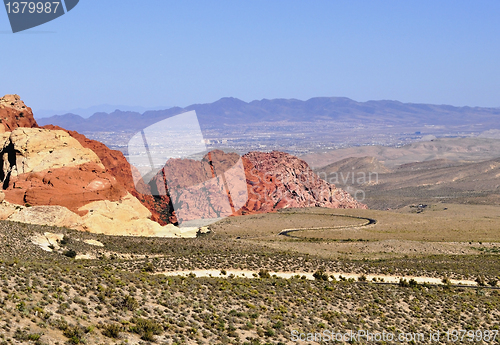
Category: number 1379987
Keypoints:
(32, 7)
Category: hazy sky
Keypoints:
(160, 52)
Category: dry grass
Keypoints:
(118, 298)
(439, 222)
(271, 224)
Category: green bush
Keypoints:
(75, 334)
(70, 253)
(112, 330)
(124, 303)
(146, 328)
(320, 275)
(149, 267)
(264, 274)
(493, 282)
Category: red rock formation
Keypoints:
(198, 189)
(71, 187)
(272, 181)
(14, 113)
(117, 165)
(277, 180)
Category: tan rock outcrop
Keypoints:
(49, 167)
(116, 165)
(7, 209)
(126, 217)
(47, 215)
(26, 150)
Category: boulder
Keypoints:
(14, 113)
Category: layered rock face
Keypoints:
(49, 167)
(211, 188)
(14, 113)
(223, 184)
(117, 166)
(49, 177)
(279, 180)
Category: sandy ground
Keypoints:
(287, 275)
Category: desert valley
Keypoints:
(398, 238)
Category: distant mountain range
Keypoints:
(87, 112)
(232, 111)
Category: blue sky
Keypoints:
(160, 52)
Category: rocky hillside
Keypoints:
(49, 177)
(53, 176)
(214, 187)
(279, 180)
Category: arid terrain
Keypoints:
(86, 258)
(97, 289)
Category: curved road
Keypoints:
(369, 221)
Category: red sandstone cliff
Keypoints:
(278, 180)
(271, 181)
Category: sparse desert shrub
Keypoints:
(126, 303)
(320, 275)
(148, 267)
(65, 240)
(60, 324)
(493, 282)
(75, 334)
(480, 281)
(264, 273)
(403, 283)
(412, 283)
(269, 332)
(112, 330)
(146, 328)
(23, 335)
(70, 253)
